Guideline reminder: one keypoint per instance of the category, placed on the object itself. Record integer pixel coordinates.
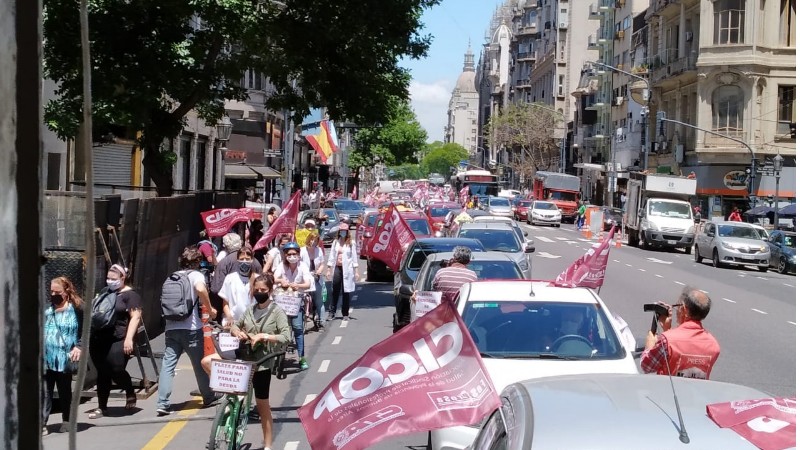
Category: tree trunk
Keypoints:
(159, 169)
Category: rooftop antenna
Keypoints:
(682, 434)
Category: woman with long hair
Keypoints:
(62, 347)
(111, 344)
(313, 255)
(343, 265)
(293, 276)
(266, 324)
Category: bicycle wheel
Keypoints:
(243, 415)
(223, 429)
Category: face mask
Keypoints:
(293, 259)
(569, 327)
(261, 297)
(245, 267)
(343, 234)
(56, 299)
(113, 284)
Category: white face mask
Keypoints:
(293, 259)
(113, 284)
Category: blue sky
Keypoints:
(453, 24)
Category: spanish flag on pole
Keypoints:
(325, 143)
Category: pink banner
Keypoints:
(590, 269)
(428, 375)
(768, 423)
(219, 221)
(286, 223)
(390, 240)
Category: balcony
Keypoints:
(664, 8)
(594, 13)
(527, 30)
(668, 66)
(527, 56)
(523, 84)
(598, 102)
(593, 44)
(711, 143)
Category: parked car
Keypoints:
(486, 265)
(412, 262)
(521, 234)
(328, 226)
(545, 213)
(734, 243)
(611, 411)
(365, 230)
(525, 329)
(521, 208)
(500, 237)
(437, 212)
(499, 206)
(782, 247)
(762, 232)
(612, 217)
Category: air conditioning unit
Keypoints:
(562, 25)
(619, 101)
(620, 34)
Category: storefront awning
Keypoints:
(246, 172)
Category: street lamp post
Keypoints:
(778, 163)
(224, 129)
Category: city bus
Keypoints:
(480, 182)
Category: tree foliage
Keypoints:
(528, 129)
(154, 61)
(441, 158)
(407, 171)
(392, 143)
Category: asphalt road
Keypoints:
(752, 316)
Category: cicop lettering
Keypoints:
(220, 216)
(397, 368)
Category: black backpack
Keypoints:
(177, 292)
(103, 309)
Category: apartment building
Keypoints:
(462, 111)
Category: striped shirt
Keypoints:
(449, 280)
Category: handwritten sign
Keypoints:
(228, 342)
(289, 303)
(426, 301)
(231, 377)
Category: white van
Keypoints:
(509, 193)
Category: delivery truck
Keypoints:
(560, 188)
(658, 212)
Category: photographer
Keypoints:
(449, 280)
(688, 350)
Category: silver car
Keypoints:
(499, 206)
(500, 237)
(544, 213)
(611, 411)
(731, 243)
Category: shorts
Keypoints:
(261, 381)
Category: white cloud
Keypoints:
(430, 101)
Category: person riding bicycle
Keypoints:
(266, 327)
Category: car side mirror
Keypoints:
(525, 233)
(406, 290)
(530, 247)
(640, 213)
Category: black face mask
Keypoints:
(245, 267)
(56, 299)
(261, 297)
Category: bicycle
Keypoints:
(232, 416)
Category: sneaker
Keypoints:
(345, 318)
(64, 428)
(303, 364)
(45, 431)
(195, 393)
(214, 402)
(331, 316)
(319, 325)
(163, 411)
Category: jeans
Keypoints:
(579, 222)
(177, 342)
(338, 287)
(297, 329)
(63, 381)
(316, 296)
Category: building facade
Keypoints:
(462, 111)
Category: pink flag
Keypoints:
(390, 239)
(768, 423)
(590, 269)
(218, 221)
(426, 376)
(284, 224)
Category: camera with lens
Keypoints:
(658, 308)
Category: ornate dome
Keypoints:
(466, 81)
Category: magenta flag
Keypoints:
(286, 223)
(428, 375)
(219, 221)
(590, 269)
(768, 423)
(390, 239)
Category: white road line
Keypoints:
(660, 276)
(562, 238)
(628, 265)
(309, 398)
(642, 270)
(355, 297)
(761, 278)
(757, 310)
(544, 239)
(344, 324)
(787, 284)
(336, 340)
(792, 322)
(324, 366)
(704, 292)
(291, 445)
(728, 300)
(616, 260)
(682, 284)
(741, 276)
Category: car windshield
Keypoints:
(441, 212)
(736, 231)
(545, 205)
(494, 239)
(421, 251)
(525, 203)
(371, 219)
(420, 227)
(499, 202)
(562, 196)
(346, 205)
(527, 329)
(485, 270)
(670, 209)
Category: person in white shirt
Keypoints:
(313, 200)
(293, 275)
(313, 255)
(274, 256)
(343, 271)
(235, 291)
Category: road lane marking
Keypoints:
(728, 300)
(659, 261)
(171, 429)
(792, 322)
(642, 270)
(704, 292)
(741, 276)
(291, 445)
(544, 239)
(309, 399)
(682, 284)
(336, 340)
(324, 366)
(344, 323)
(628, 265)
(560, 238)
(757, 310)
(616, 260)
(660, 276)
(787, 284)
(761, 278)
(547, 255)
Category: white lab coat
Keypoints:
(349, 264)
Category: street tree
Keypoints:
(154, 61)
(529, 130)
(441, 158)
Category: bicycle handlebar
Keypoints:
(258, 362)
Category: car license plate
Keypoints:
(671, 242)
(748, 257)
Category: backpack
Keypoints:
(177, 301)
(103, 309)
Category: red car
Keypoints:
(418, 223)
(520, 209)
(365, 230)
(436, 212)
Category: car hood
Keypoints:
(500, 208)
(546, 212)
(742, 242)
(506, 371)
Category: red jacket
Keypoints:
(692, 351)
